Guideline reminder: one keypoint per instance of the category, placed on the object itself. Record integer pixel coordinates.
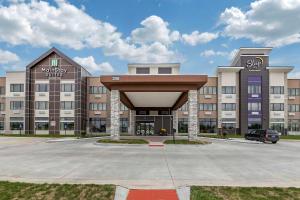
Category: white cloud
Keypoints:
(268, 22)
(154, 29)
(7, 57)
(210, 53)
(38, 23)
(199, 38)
(90, 64)
(294, 75)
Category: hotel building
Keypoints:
(55, 95)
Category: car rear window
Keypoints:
(272, 132)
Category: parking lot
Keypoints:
(235, 163)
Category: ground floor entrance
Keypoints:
(147, 125)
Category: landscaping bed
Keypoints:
(27, 191)
(186, 142)
(243, 193)
(123, 141)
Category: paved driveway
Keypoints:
(81, 161)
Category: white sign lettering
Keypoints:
(254, 64)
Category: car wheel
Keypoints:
(274, 142)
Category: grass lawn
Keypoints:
(27, 191)
(243, 193)
(123, 141)
(219, 136)
(290, 137)
(186, 142)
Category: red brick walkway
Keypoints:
(152, 195)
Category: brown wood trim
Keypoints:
(125, 100)
(183, 98)
(154, 83)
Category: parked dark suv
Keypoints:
(263, 135)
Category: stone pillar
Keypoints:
(193, 114)
(131, 129)
(115, 115)
(175, 120)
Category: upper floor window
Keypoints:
(184, 107)
(228, 106)
(208, 90)
(42, 87)
(277, 90)
(228, 90)
(294, 91)
(254, 89)
(67, 105)
(97, 106)
(277, 107)
(2, 106)
(254, 106)
(294, 108)
(16, 105)
(142, 70)
(54, 62)
(97, 90)
(207, 106)
(164, 70)
(123, 107)
(16, 87)
(41, 105)
(2, 90)
(67, 87)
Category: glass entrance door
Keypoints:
(144, 128)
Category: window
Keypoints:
(41, 125)
(97, 90)
(16, 125)
(254, 89)
(123, 107)
(54, 62)
(254, 106)
(42, 87)
(294, 91)
(142, 70)
(2, 106)
(97, 106)
(294, 125)
(67, 87)
(208, 125)
(97, 125)
(123, 125)
(164, 70)
(2, 90)
(228, 90)
(254, 123)
(16, 105)
(208, 90)
(182, 125)
(278, 127)
(67, 105)
(208, 106)
(184, 107)
(228, 106)
(277, 107)
(294, 108)
(277, 90)
(68, 126)
(228, 125)
(1, 125)
(16, 87)
(41, 105)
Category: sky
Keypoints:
(105, 35)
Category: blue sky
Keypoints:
(105, 35)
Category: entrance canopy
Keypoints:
(154, 90)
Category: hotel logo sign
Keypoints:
(254, 64)
(54, 71)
